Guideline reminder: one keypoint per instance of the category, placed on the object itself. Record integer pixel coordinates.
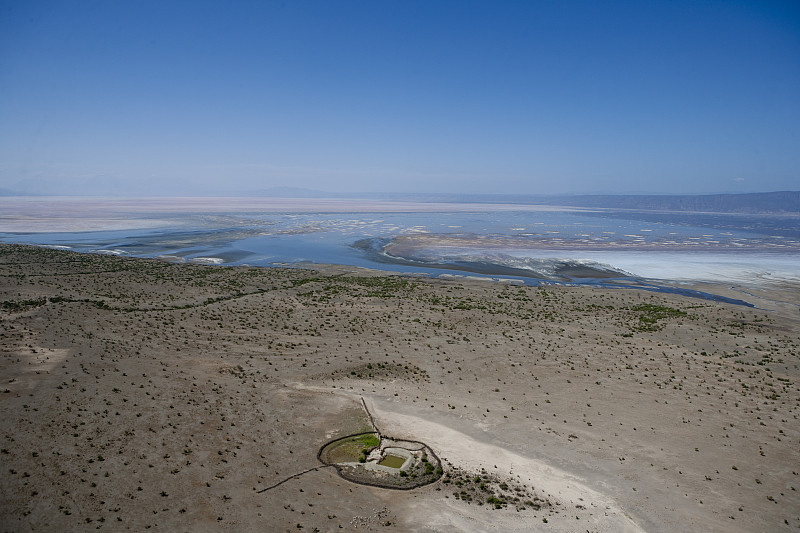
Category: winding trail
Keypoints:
(293, 476)
(371, 420)
(279, 483)
(421, 446)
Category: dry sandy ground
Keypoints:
(139, 394)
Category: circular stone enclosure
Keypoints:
(369, 459)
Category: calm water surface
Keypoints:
(535, 246)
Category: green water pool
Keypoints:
(392, 461)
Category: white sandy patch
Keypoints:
(472, 453)
(39, 361)
(207, 260)
(601, 512)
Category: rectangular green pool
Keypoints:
(392, 461)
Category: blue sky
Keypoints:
(202, 97)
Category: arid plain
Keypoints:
(139, 394)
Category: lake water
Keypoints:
(529, 243)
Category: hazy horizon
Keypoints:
(226, 99)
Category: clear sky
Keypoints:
(219, 97)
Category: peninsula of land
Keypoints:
(140, 394)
